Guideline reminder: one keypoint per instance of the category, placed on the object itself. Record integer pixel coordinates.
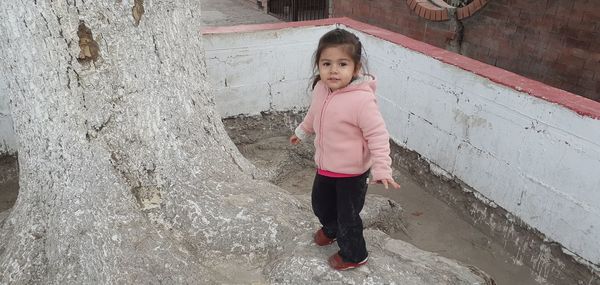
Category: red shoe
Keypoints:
(321, 239)
(338, 263)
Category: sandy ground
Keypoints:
(430, 224)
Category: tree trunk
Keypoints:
(126, 172)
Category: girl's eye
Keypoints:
(343, 64)
(325, 63)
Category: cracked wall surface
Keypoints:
(248, 86)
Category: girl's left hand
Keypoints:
(294, 140)
(389, 182)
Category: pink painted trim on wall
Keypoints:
(579, 104)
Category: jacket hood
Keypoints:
(364, 82)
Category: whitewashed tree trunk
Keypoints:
(126, 172)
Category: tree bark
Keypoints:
(126, 172)
(114, 148)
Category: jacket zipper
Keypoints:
(329, 94)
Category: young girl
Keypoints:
(350, 141)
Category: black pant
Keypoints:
(337, 203)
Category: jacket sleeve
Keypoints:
(305, 129)
(375, 133)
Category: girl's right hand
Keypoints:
(294, 140)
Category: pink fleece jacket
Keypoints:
(350, 134)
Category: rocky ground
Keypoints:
(428, 223)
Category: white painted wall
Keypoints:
(538, 160)
(261, 71)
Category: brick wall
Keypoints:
(553, 41)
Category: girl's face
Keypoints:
(336, 67)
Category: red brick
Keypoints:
(362, 11)
(478, 32)
(498, 6)
(490, 43)
(566, 30)
(583, 6)
(474, 6)
(494, 14)
(552, 80)
(525, 30)
(575, 19)
(525, 18)
(550, 55)
(588, 74)
(376, 12)
(422, 11)
(587, 35)
(461, 13)
(575, 43)
(417, 10)
(431, 15)
(553, 4)
(532, 6)
(592, 62)
(564, 8)
(439, 33)
(503, 62)
(390, 17)
(489, 59)
(413, 5)
(445, 15)
(586, 84)
(438, 15)
(589, 21)
(572, 65)
(546, 23)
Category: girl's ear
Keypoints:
(357, 69)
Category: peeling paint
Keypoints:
(89, 49)
(148, 197)
(137, 11)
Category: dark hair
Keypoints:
(335, 38)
